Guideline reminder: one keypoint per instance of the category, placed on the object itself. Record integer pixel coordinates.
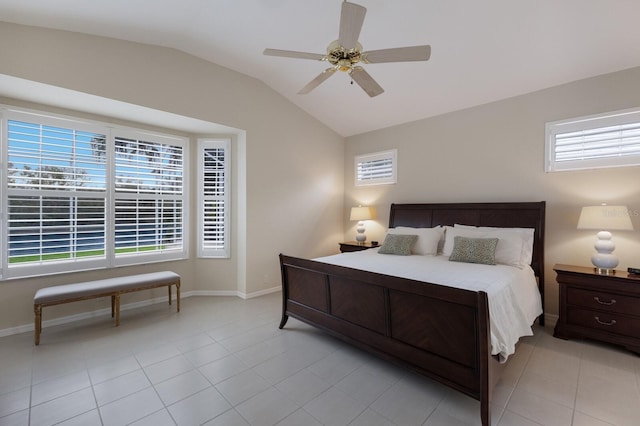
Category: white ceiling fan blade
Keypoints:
(293, 54)
(398, 54)
(317, 81)
(351, 20)
(365, 81)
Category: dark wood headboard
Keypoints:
(503, 215)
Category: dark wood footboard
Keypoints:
(441, 332)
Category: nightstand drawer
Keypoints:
(603, 301)
(609, 322)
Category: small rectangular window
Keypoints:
(376, 168)
(598, 141)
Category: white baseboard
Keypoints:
(260, 293)
(236, 293)
(213, 293)
(107, 311)
(550, 320)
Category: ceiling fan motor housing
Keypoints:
(341, 58)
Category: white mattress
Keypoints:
(514, 299)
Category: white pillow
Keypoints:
(527, 234)
(508, 250)
(428, 238)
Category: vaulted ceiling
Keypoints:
(482, 51)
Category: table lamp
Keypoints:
(361, 214)
(605, 218)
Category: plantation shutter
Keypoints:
(214, 198)
(56, 192)
(611, 140)
(376, 168)
(149, 208)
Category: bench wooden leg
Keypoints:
(38, 323)
(178, 295)
(116, 298)
(113, 306)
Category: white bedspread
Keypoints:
(514, 299)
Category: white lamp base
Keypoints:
(360, 237)
(604, 261)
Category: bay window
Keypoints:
(82, 195)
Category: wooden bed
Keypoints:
(441, 332)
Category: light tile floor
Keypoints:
(223, 361)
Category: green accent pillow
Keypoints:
(398, 244)
(474, 250)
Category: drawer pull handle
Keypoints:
(612, 322)
(597, 299)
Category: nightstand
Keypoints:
(599, 307)
(355, 246)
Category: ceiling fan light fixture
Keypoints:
(344, 65)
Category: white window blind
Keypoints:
(376, 168)
(43, 157)
(214, 189)
(56, 193)
(76, 197)
(604, 140)
(145, 167)
(143, 226)
(148, 195)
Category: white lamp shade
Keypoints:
(362, 213)
(605, 218)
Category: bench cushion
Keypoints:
(89, 288)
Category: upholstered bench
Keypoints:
(112, 287)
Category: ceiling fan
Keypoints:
(345, 53)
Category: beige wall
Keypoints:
(495, 152)
(288, 168)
